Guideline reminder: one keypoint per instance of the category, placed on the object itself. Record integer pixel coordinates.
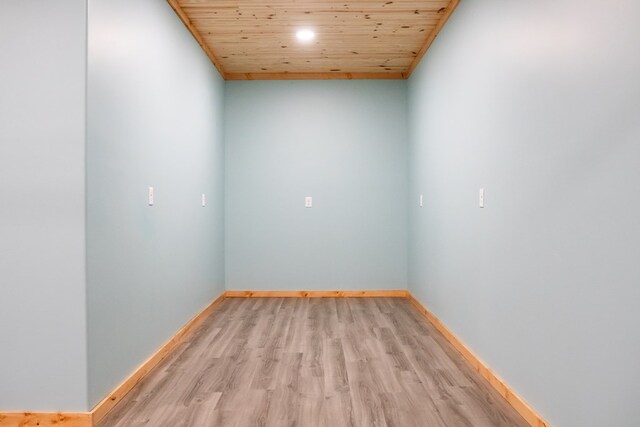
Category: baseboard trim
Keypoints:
(527, 412)
(89, 419)
(397, 293)
(102, 408)
(45, 419)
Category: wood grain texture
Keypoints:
(446, 13)
(194, 32)
(102, 408)
(29, 419)
(314, 362)
(527, 412)
(396, 293)
(248, 39)
(314, 76)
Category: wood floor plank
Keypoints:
(321, 362)
(338, 410)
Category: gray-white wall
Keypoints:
(342, 142)
(538, 103)
(155, 111)
(42, 203)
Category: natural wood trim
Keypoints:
(527, 412)
(314, 76)
(102, 408)
(429, 41)
(42, 419)
(89, 419)
(316, 294)
(187, 22)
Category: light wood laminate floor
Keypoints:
(327, 362)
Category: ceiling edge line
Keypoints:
(315, 76)
(432, 36)
(196, 35)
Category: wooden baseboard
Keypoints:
(527, 412)
(89, 419)
(316, 294)
(102, 408)
(42, 419)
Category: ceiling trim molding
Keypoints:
(314, 76)
(446, 13)
(187, 23)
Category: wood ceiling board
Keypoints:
(432, 36)
(354, 39)
(196, 34)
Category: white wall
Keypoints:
(345, 144)
(155, 111)
(538, 103)
(42, 204)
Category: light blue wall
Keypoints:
(538, 103)
(539, 107)
(155, 111)
(42, 204)
(343, 143)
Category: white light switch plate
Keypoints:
(203, 199)
(150, 201)
(308, 202)
(481, 198)
(421, 200)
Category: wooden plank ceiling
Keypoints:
(249, 39)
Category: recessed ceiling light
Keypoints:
(305, 35)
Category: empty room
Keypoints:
(313, 213)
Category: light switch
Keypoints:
(203, 199)
(150, 196)
(308, 202)
(421, 200)
(481, 198)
